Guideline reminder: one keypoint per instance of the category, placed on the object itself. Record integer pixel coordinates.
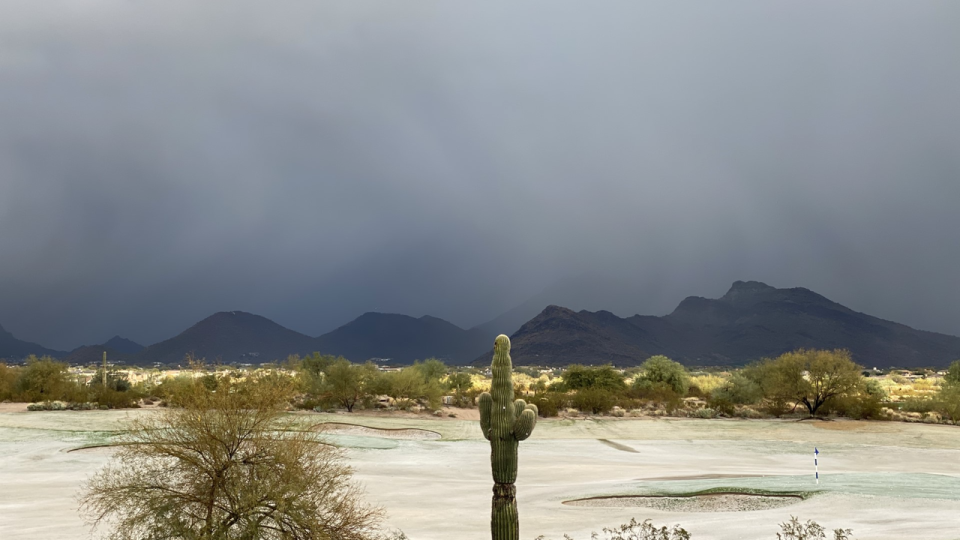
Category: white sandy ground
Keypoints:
(884, 480)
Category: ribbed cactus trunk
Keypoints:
(504, 422)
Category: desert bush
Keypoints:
(549, 403)
(636, 530)
(627, 403)
(48, 406)
(408, 387)
(953, 373)
(811, 378)
(811, 530)
(229, 464)
(8, 381)
(594, 400)
(744, 411)
(659, 369)
(659, 393)
(346, 384)
(948, 402)
(459, 385)
(705, 412)
(44, 379)
(865, 403)
(430, 369)
(918, 404)
(722, 404)
(172, 389)
(707, 383)
(740, 390)
(737, 390)
(114, 399)
(577, 377)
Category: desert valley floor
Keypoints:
(884, 480)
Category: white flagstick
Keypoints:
(816, 466)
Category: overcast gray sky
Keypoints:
(309, 161)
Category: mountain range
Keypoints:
(751, 321)
(11, 347)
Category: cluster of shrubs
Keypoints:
(793, 529)
(48, 385)
(808, 382)
(65, 406)
(329, 382)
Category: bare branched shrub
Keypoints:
(811, 530)
(637, 530)
(227, 465)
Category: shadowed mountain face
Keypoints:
(246, 338)
(585, 291)
(93, 354)
(119, 351)
(751, 321)
(404, 339)
(13, 348)
(123, 345)
(229, 336)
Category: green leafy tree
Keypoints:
(317, 363)
(953, 373)
(408, 387)
(44, 379)
(347, 384)
(578, 377)
(431, 369)
(8, 381)
(948, 402)
(810, 377)
(741, 390)
(660, 370)
(737, 390)
(312, 368)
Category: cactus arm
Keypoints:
(485, 404)
(534, 408)
(518, 406)
(524, 425)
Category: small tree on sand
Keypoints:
(809, 377)
(227, 465)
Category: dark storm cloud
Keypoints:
(311, 161)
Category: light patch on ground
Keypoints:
(886, 481)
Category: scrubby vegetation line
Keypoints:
(799, 384)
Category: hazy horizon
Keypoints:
(160, 162)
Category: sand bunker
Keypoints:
(409, 434)
(710, 502)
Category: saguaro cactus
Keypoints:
(504, 422)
